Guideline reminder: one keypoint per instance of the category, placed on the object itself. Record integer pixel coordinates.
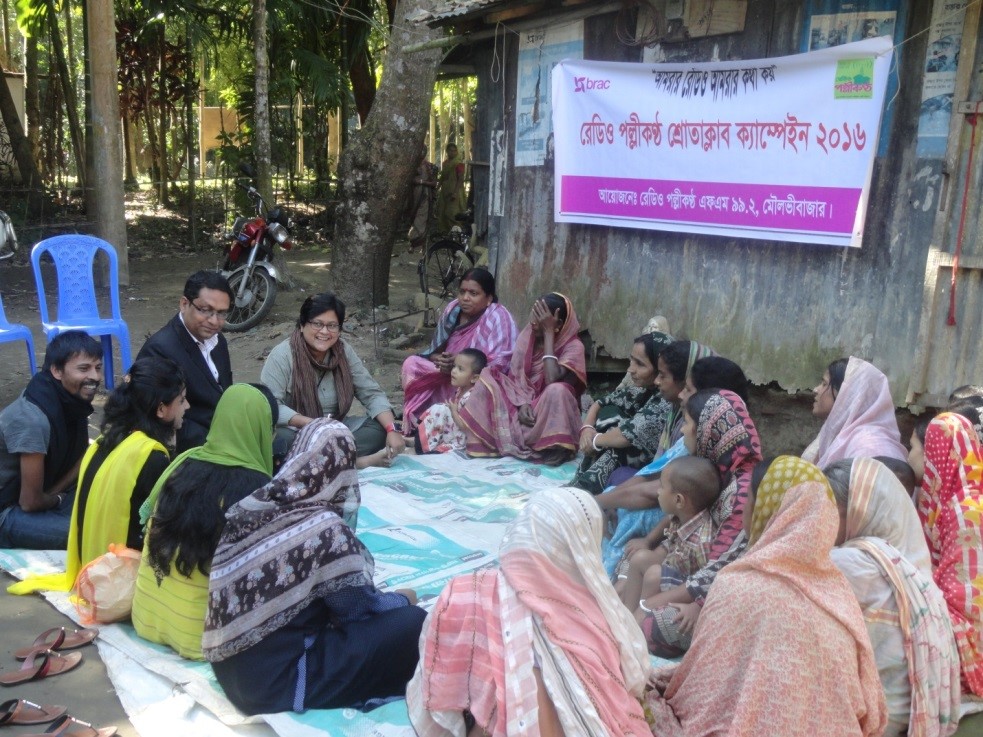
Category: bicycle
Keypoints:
(446, 260)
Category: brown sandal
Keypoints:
(41, 664)
(57, 638)
(67, 726)
(22, 711)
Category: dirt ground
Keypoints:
(159, 265)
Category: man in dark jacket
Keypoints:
(193, 340)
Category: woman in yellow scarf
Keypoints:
(120, 468)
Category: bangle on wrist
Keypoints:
(587, 427)
(59, 498)
(593, 442)
(550, 355)
(641, 605)
(391, 427)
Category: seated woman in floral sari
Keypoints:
(632, 425)
(884, 557)
(474, 320)
(533, 412)
(781, 647)
(946, 454)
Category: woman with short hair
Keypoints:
(316, 373)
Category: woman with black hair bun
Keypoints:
(121, 467)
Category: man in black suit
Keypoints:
(193, 340)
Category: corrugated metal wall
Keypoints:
(783, 311)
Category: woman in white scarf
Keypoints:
(884, 557)
(542, 640)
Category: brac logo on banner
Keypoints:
(583, 84)
(777, 149)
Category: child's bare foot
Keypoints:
(379, 459)
(556, 456)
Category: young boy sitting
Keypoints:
(441, 429)
(690, 486)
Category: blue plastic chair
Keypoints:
(77, 309)
(13, 331)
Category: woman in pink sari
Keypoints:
(854, 400)
(781, 647)
(533, 412)
(474, 320)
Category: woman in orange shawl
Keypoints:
(950, 505)
(533, 412)
(781, 647)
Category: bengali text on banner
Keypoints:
(776, 149)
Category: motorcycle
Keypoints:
(248, 264)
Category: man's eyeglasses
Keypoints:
(331, 327)
(208, 313)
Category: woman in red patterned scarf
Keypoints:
(716, 426)
(947, 455)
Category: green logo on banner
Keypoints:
(854, 79)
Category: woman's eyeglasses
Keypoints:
(331, 327)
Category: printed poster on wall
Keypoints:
(939, 84)
(778, 149)
(539, 51)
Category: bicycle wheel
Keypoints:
(256, 302)
(442, 268)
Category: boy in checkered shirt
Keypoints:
(690, 486)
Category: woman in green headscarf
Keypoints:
(185, 515)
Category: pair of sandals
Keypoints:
(24, 712)
(41, 659)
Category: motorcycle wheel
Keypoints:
(256, 303)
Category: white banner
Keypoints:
(779, 149)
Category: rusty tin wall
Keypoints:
(781, 310)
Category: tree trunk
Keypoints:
(363, 84)
(6, 34)
(262, 146)
(32, 95)
(68, 90)
(130, 177)
(26, 165)
(108, 214)
(376, 168)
